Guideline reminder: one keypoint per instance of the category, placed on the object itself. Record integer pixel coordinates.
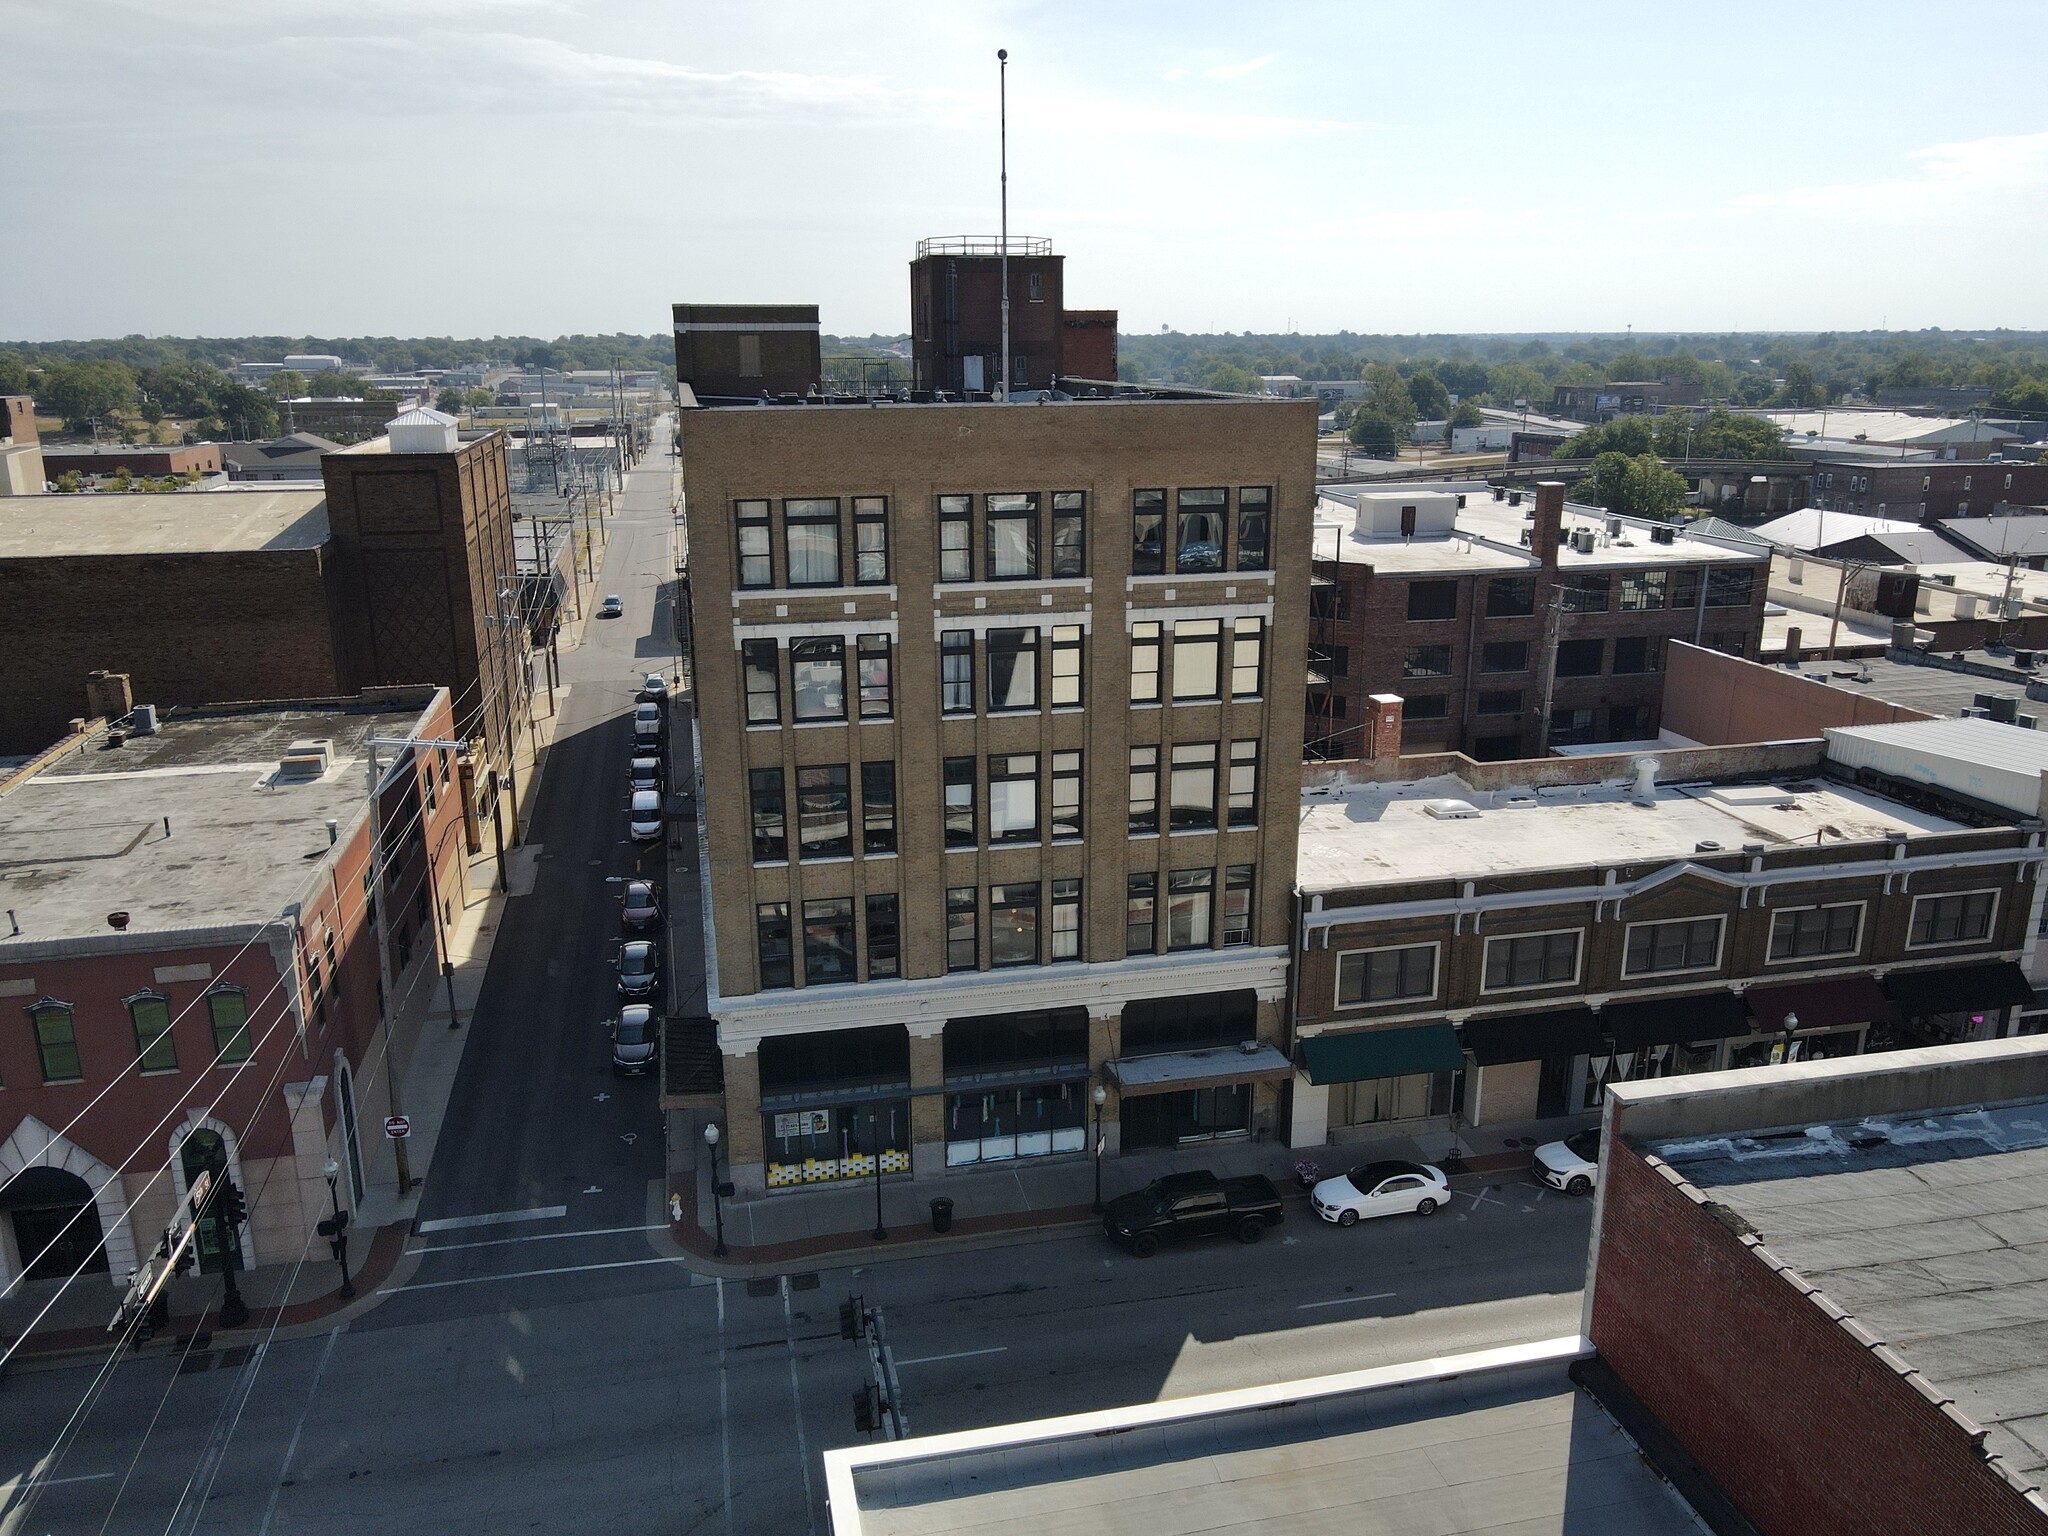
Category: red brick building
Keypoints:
(956, 318)
(1927, 490)
(745, 351)
(137, 459)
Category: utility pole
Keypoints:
(1003, 120)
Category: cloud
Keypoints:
(1946, 174)
(1175, 74)
(1237, 71)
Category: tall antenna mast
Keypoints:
(1003, 120)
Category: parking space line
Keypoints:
(1481, 1197)
(1344, 1301)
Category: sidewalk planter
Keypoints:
(942, 1214)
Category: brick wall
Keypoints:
(1715, 698)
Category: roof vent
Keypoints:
(117, 920)
(1706, 847)
(143, 720)
(1450, 810)
(306, 759)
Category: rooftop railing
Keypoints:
(982, 245)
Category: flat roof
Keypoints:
(1383, 834)
(86, 835)
(1935, 689)
(140, 523)
(1487, 538)
(1879, 426)
(1929, 1228)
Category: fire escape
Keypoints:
(1328, 606)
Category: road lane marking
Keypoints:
(724, 1409)
(52, 1482)
(965, 1354)
(494, 1218)
(796, 1403)
(527, 1274)
(530, 1237)
(1344, 1301)
(292, 1449)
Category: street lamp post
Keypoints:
(881, 1232)
(1101, 1097)
(1791, 1024)
(337, 1234)
(717, 1199)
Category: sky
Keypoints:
(481, 167)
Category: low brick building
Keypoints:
(1927, 490)
(745, 351)
(956, 317)
(137, 459)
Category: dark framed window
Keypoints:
(1586, 594)
(1198, 528)
(1638, 653)
(1205, 1020)
(1197, 658)
(1329, 599)
(769, 815)
(761, 669)
(963, 946)
(1066, 796)
(56, 1041)
(1254, 527)
(829, 954)
(1016, 1042)
(877, 1056)
(1069, 533)
(1066, 919)
(1237, 903)
(1625, 721)
(1247, 657)
(1507, 701)
(1011, 521)
(1685, 588)
(1386, 975)
(1570, 727)
(817, 678)
(1013, 924)
(1193, 786)
(1144, 789)
(1012, 669)
(1642, 591)
(1141, 913)
(884, 941)
(1580, 658)
(959, 790)
(878, 807)
(956, 672)
(1532, 960)
(771, 939)
(810, 540)
(1145, 662)
(1190, 908)
(1148, 533)
(228, 1010)
(1066, 665)
(824, 812)
(155, 1049)
(750, 530)
(1808, 931)
(1244, 783)
(1730, 586)
(1511, 597)
(1686, 944)
(1504, 656)
(877, 698)
(1426, 706)
(1958, 919)
(1013, 798)
(1432, 600)
(956, 538)
(870, 540)
(1426, 661)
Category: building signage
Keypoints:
(804, 1122)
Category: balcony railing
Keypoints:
(982, 245)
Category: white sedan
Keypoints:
(1572, 1165)
(1380, 1189)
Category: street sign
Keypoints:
(397, 1127)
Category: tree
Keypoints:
(329, 385)
(286, 384)
(82, 393)
(1466, 414)
(478, 397)
(1432, 400)
(1628, 435)
(13, 375)
(1723, 435)
(1801, 388)
(248, 412)
(1386, 394)
(1517, 381)
(451, 400)
(1375, 432)
(1641, 485)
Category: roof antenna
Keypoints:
(1003, 122)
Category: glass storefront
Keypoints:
(834, 1102)
(1374, 1099)
(1188, 1116)
(1004, 1123)
(1016, 1086)
(817, 1146)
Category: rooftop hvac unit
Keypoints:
(1614, 527)
(1500, 493)
(1514, 498)
(1663, 533)
(2026, 722)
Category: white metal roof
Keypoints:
(1983, 759)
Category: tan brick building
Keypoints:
(1000, 713)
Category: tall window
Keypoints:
(828, 941)
(1237, 903)
(1013, 798)
(1532, 960)
(871, 540)
(1012, 669)
(1685, 588)
(878, 807)
(956, 671)
(1141, 913)
(1197, 658)
(1580, 658)
(817, 678)
(1586, 594)
(771, 828)
(1254, 508)
(1012, 521)
(228, 1008)
(56, 1042)
(1504, 656)
(1069, 533)
(1432, 600)
(1510, 597)
(750, 524)
(1148, 533)
(1013, 924)
(771, 938)
(1144, 795)
(1145, 663)
(1066, 920)
(1247, 657)
(1190, 901)
(1804, 931)
(1066, 796)
(1386, 975)
(1198, 528)
(1688, 944)
(876, 697)
(1952, 919)
(1638, 653)
(1729, 586)
(760, 665)
(154, 1047)
(884, 945)
(1194, 786)
(1244, 783)
(824, 812)
(959, 802)
(1426, 661)
(1642, 591)
(1066, 664)
(963, 948)
(810, 537)
(956, 538)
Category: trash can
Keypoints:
(942, 1214)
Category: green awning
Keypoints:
(1362, 1054)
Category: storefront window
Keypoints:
(809, 1138)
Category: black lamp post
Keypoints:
(881, 1232)
(717, 1191)
(1791, 1023)
(337, 1228)
(1101, 1097)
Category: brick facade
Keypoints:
(1928, 490)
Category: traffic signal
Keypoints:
(230, 1209)
(851, 1323)
(867, 1409)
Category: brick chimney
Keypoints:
(1792, 638)
(107, 694)
(1386, 726)
(18, 418)
(1543, 536)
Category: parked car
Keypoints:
(640, 970)
(655, 687)
(633, 1040)
(644, 818)
(612, 607)
(1380, 1189)
(1192, 1205)
(645, 773)
(640, 906)
(1572, 1165)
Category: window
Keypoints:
(1638, 653)
(1579, 658)
(956, 538)
(771, 937)
(1432, 600)
(963, 948)
(750, 523)
(956, 672)
(1237, 904)
(1504, 702)
(878, 807)
(1013, 798)
(876, 699)
(824, 812)
(1689, 944)
(1141, 915)
(1510, 597)
(1328, 600)
(870, 540)
(1012, 523)
(1729, 587)
(810, 539)
(1799, 932)
(1254, 510)
(1198, 528)
(1531, 960)
(1190, 902)
(1197, 658)
(771, 827)
(1144, 796)
(1685, 589)
(1428, 706)
(1069, 533)
(1247, 657)
(1012, 669)
(1426, 661)
(1625, 722)
(1208, 1019)
(761, 666)
(828, 941)
(1148, 533)
(817, 678)
(1642, 591)
(316, 992)
(150, 1013)
(56, 1042)
(1244, 783)
(1586, 594)
(1193, 786)
(1503, 656)
(1066, 664)
(1145, 663)
(884, 943)
(959, 802)
(1960, 919)
(1386, 975)
(1066, 920)
(1066, 796)
(1013, 924)
(1570, 727)
(1328, 662)
(229, 1010)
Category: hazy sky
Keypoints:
(545, 166)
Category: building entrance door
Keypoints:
(56, 1224)
(205, 1152)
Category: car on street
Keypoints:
(644, 817)
(612, 607)
(645, 773)
(654, 687)
(640, 970)
(633, 1040)
(1380, 1189)
(1572, 1165)
(640, 906)
(1198, 1204)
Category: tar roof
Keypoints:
(1931, 1230)
(1487, 538)
(1936, 689)
(46, 527)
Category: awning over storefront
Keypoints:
(1959, 989)
(1363, 1054)
(1675, 1020)
(1531, 1036)
(1835, 1004)
(1174, 1071)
